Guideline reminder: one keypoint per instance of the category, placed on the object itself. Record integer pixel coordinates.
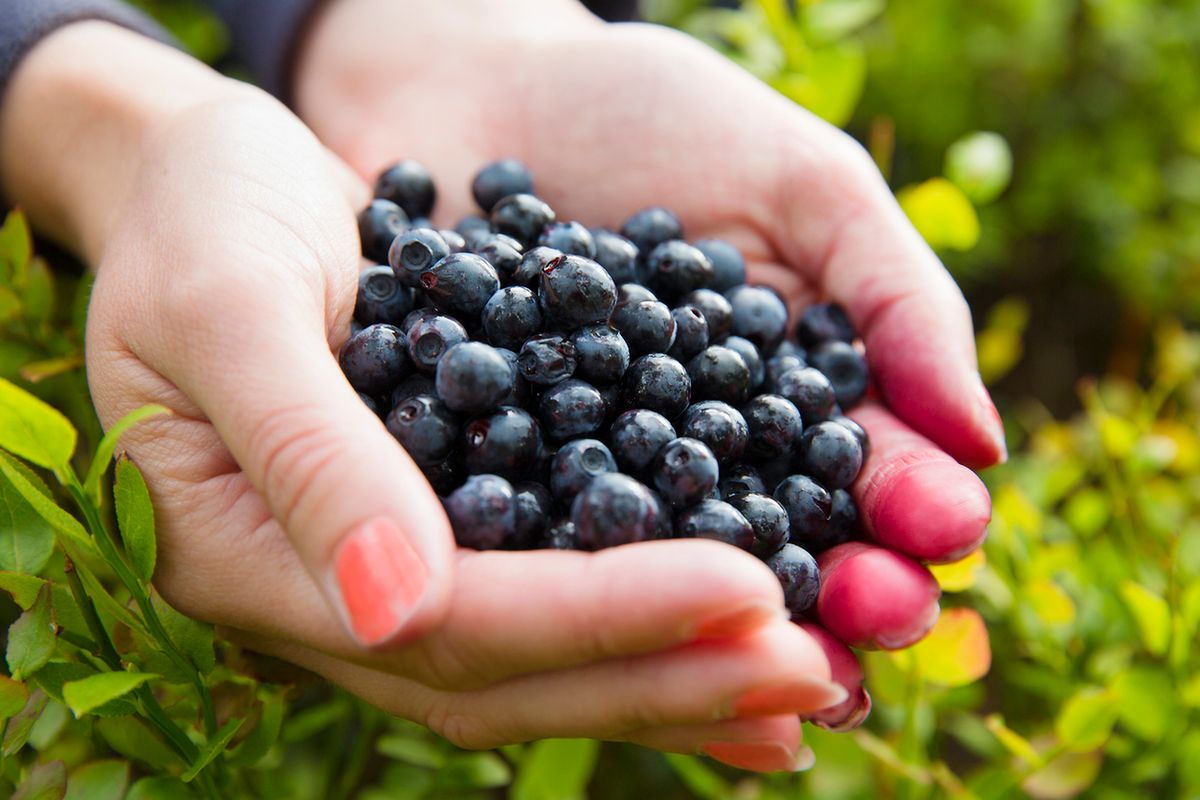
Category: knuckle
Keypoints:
(464, 730)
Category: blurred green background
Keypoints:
(1050, 151)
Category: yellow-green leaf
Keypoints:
(95, 690)
(108, 445)
(1086, 719)
(22, 588)
(1013, 742)
(73, 536)
(16, 247)
(1147, 702)
(960, 575)
(135, 518)
(941, 213)
(13, 695)
(26, 538)
(1048, 600)
(33, 429)
(956, 652)
(1152, 614)
(556, 769)
(32, 637)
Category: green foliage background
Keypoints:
(1050, 151)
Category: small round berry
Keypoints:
(430, 337)
(534, 505)
(415, 251)
(571, 408)
(520, 394)
(473, 378)
(511, 316)
(799, 576)
(574, 466)
(740, 479)
(560, 535)
(808, 505)
(651, 227)
(506, 443)
(378, 224)
(778, 365)
(381, 298)
(729, 268)
(846, 369)
(758, 315)
(425, 427)
(751, 355)
(691, 333)
(717, 311)
(529, 271)
(831, 454)
(461, 284)
(453, 239)
(521, 216)
(576, 291)
(720, 426)
(601, 354)
(676, 268)
(767, 518)
(483, 512)
(502, 252)
(547, 359)
(374, 360)
(824, 322)
(409, 185)
(612, 510)
(636, 437)
(719, 373)
(715, 519)
(569, 237)
(498, 180)
(616, 254)
(411, 386)
(471, 226)
(415, 316)
(633, 293)
(864, 441)
(685, 472)
(810, 392)
(659, 383)
(647, 327)
(775, 426)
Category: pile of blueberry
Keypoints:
(567, 387)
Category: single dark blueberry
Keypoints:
(633, 293)
(546, 359)
(571, 408)
(444, 476)
(719, 373)
(473, 378)
(415, 251)
(636, 437)
(521, 216)
(740, 479)
(420, 222)
(378, 224)
(729, 268)
(758, 315)
(574, 466)
(425, 427)
(430, 337)
(560, 535)
(498, 180)
(647, 327)
(569, 237)
(576, 291)
(461, 284)
(788, 348)
(511, 316)
(685, 472)
(370, 402)
(691, 333)
(381, 298)
(616, 254)
(483, 512)
(471, 226)
(601, 354)
(864, 441)
(720, 426)
(751, 355)
(846, 369)
(830, 453)
(415, 316)
(374, 360)
(659, 383)
(651, 227)
(676, 268)
(534, 505)
(717, 311)
(824, 322)
(453, 239)
(529, 271)
(775, 427)
(808, 505)
(777, 365)
(810, 392)
(715, 519)
(506, 443)
(799, 576)
(768, 519)
(502, 252)
(409, 185)
(612, 510)
(412, 386)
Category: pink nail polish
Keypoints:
(380, 579)
(732, 623)
(799, 696)
(992, 420)
(755, 756)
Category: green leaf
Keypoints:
(312, 721)
(95, 690)
(99, 780)
(13, 696)
(260, 740)
(160, 789)
(44, 782)
(829, 21)
(33, 429)
(10, 304)
(832, 82)
(474, 771)
(133, 738)
(1146, 702)
(26, 539)
(16, 732)
(32, 637)
(1152, 614)
(106, 604)
(213, 749)
(39, 294)
(135, 518)
(72, 535)
(16, 248)
(556, 769)
(702, 781)
(191, 636)
(55, 675)
(1086, 719)
(419, 752)
(941, 213)
(108, 446)
(23, 588)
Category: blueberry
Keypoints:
(521, 216)
(502, 252)
(719, 373)
(425, 427)
(430, 337)
(560, 535)
(520, 391)
(830, 453)
(843, 521)
(546, 359)
(506, 443)
(777, 365)
(415, 316)
(720, 426)
(808, 505)
(453, 239)
(810, 392)
(824, 322)
(863, 440)
(529, 271)
(676, 268)
(715, 519)
(691, 333)
(576, 291)
(799, 576)
(659, 383)
(775, 427)
(370, 402)
(378, 224)
(571, 408)
(444, 476)
(758, 315)
(470, 227)
(601, 354)
(633, 293)
(846, 369)
(498, 180)
(636, 437)
(729, 268)
(483, 512)
(461, 284)
(651, 227)
(511, 316)
(415, 251)
(768, 520)
(647, 326)
(789, 348)
(569, 237)
(574, 466)
(613, 509)
(616, 254)
(411, 386)
(534, 505)
(613, 404)
(473, 378)
(381, 298)
(740, 479)
(717, 311)
(685, 472)
(409, 185)
(751, 355)
(374, 360)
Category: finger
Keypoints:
(845, 670)
(872, 598)
(761, 744)
(913, 497)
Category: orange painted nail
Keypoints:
(380, 579)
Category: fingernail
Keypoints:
(380, 579)
(755, 756)
(805, 759)
(991, 419)
(732, 623)
(798, 696)
(857, 716)
(901, 639)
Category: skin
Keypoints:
(223, 237)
